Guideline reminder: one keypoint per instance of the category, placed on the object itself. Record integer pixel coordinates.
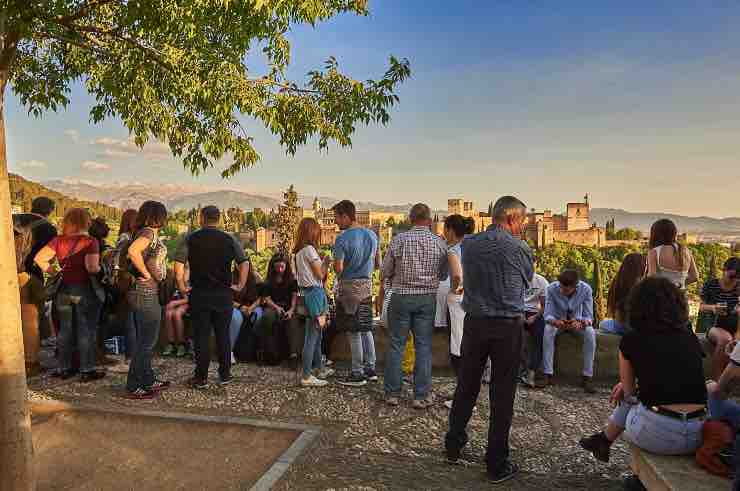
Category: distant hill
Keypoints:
(23, 192)
(222, 199)
(643, 221)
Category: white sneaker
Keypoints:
(233, 359)
(312, 381)
(448, 404)
(325, 373)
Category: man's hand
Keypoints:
(289, 314)
(558, 324)
(617, 394)
(730, 347)
(577, 325)
(236, 288)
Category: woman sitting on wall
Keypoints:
(719, 297)
(630, 273)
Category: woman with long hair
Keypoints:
(630, 273)
(78, 256)
(128, 226)
(148, 255)
(719, 298)
(311, 271)
(247, 307)
(668, 258)
(124, 316)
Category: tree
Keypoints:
(287, 221)
(173, 70)
(599, 298)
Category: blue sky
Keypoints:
(639, 105)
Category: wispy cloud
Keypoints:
(74, 135)
(126, 149)
(32, 164)
(91, 165)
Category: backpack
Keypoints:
(23, 237)
(115, 264)
(717, 436)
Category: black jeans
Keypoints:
(205, 317)
(501, 340)
(535, 333)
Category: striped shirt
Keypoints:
(415, 262)
(712, 294)
(497, 268)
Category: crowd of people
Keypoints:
(501, 314)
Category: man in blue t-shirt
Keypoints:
(356, 256)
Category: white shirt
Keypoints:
(735, 355)
(534, 293)
(304, 271)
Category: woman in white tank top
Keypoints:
(669, 259)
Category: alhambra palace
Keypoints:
(542, 228)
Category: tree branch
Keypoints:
(282, 85)
(84, 10)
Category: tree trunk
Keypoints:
(16, 446)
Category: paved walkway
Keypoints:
(366, 445)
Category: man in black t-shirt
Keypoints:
(31, 279)
(210, 254)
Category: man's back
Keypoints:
(42, 232)
(497, 268)
(419, 260)
(357, 248)
(210, 254)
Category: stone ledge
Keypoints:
(677, 473)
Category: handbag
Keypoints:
(55, 282)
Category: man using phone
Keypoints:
(569, 306)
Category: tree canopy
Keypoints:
(176, 70)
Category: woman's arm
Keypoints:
(92, 263)
(626, 376)
(319, 269)
(456, 274)
(43, 258)
(135, 254)
(293, 302)
(652, 263)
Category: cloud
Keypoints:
(116, 148)
(94, 166)
(32, 164)
(74, 135)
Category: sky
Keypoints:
(636, 103)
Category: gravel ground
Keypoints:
(365, 445)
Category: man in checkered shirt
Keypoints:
(414, 264)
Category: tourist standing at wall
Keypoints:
(497, 267)
(668, 258)
(415, 262)
(630, 273)
(30, 276)
(569, 307)
(123, 312)
(356, 256)
(534, 326)
(719, 297)
(148, 257)
(210, 253)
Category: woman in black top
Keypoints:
(718, 300)
(661, 395)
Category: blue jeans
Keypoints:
(130, 331)
(612, 326)
(146, 324)
(78, 309)
(589, 348)
(362, 346)
(414, 313)
(237, 321)
(656, 433)
(311, 347)
(724, 409)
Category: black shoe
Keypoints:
(453, 455)
(371, 376)
(597, 444)
(293, 362)
(353, 381)
(64, 374)
(91, 376)
(198, 382)
(225, 380)
(506, 472)
(633, 483)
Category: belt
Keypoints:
(699, 413)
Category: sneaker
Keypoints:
(425, 403)
(312, 381)
(233, 359)
(328, 362)
(408, 379)
(588, 386)
(225, 380)
(353, 381)
(597, 444)
(370, 375)
(293, 362)
(325, 373)
(140, 394)
(633, 483)
(196, 382)
(391, 401)
(91, 376)
(506, 472)
(160, 385)
(182, 350)
(169, 350)
(529, 380)
(64, 374)
(448, 404)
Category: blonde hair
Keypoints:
(76, 220)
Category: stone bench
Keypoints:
(664, 473)
(568, 358)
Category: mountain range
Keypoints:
(178, 197)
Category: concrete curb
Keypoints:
(308, 433)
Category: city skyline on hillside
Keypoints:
(635, 104)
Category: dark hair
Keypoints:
(657, 304)
(459, 224)
(420, 213)
(732, 264)
(99, 228)
(569, 278)
(42, 206)
(151, 214)
(346, 208)
(272, 273)
(664, 233)
(210, 214)
(508, 205)
(128, 222)
(630, 273)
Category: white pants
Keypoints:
(457, 319)
(440, 315)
